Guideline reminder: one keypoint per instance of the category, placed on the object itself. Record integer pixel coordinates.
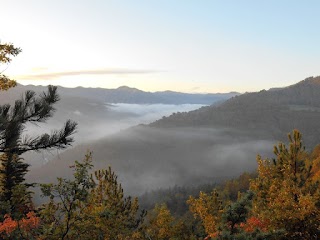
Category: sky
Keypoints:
(179, 45)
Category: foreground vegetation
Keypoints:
(283, 202)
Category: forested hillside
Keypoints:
(271, 113)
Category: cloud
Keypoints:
(194, 89)
(55, 75)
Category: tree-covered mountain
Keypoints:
(271, 113)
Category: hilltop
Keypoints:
(273, 112)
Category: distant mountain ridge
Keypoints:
(129, 95)
(126, 94)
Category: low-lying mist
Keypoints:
(96, 121)
(148, 158)
(114, 118)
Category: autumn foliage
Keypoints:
(285, 202)
(23, 227)
(288, 191)
(7, 51)
(207, 207)
(254, 223)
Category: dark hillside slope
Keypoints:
(273, 113)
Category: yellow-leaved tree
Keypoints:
(207, 207)
(162, 225)
(287, 195)
(7, 51)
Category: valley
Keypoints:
(195, 147)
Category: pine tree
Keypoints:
(286, 194)
(236, 213)
(89, 207)
(13, 119)
(115, 215)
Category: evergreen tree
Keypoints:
(89, 207)
(287, 194)
(13, 119)
(236, 213)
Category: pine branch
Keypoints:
(31, 109)
(58, 139)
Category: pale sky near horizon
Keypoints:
(179, 45)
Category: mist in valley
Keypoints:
(209, 145)
(96, 121)
(113, 118)
(146, 158)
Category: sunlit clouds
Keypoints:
(56, 75)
